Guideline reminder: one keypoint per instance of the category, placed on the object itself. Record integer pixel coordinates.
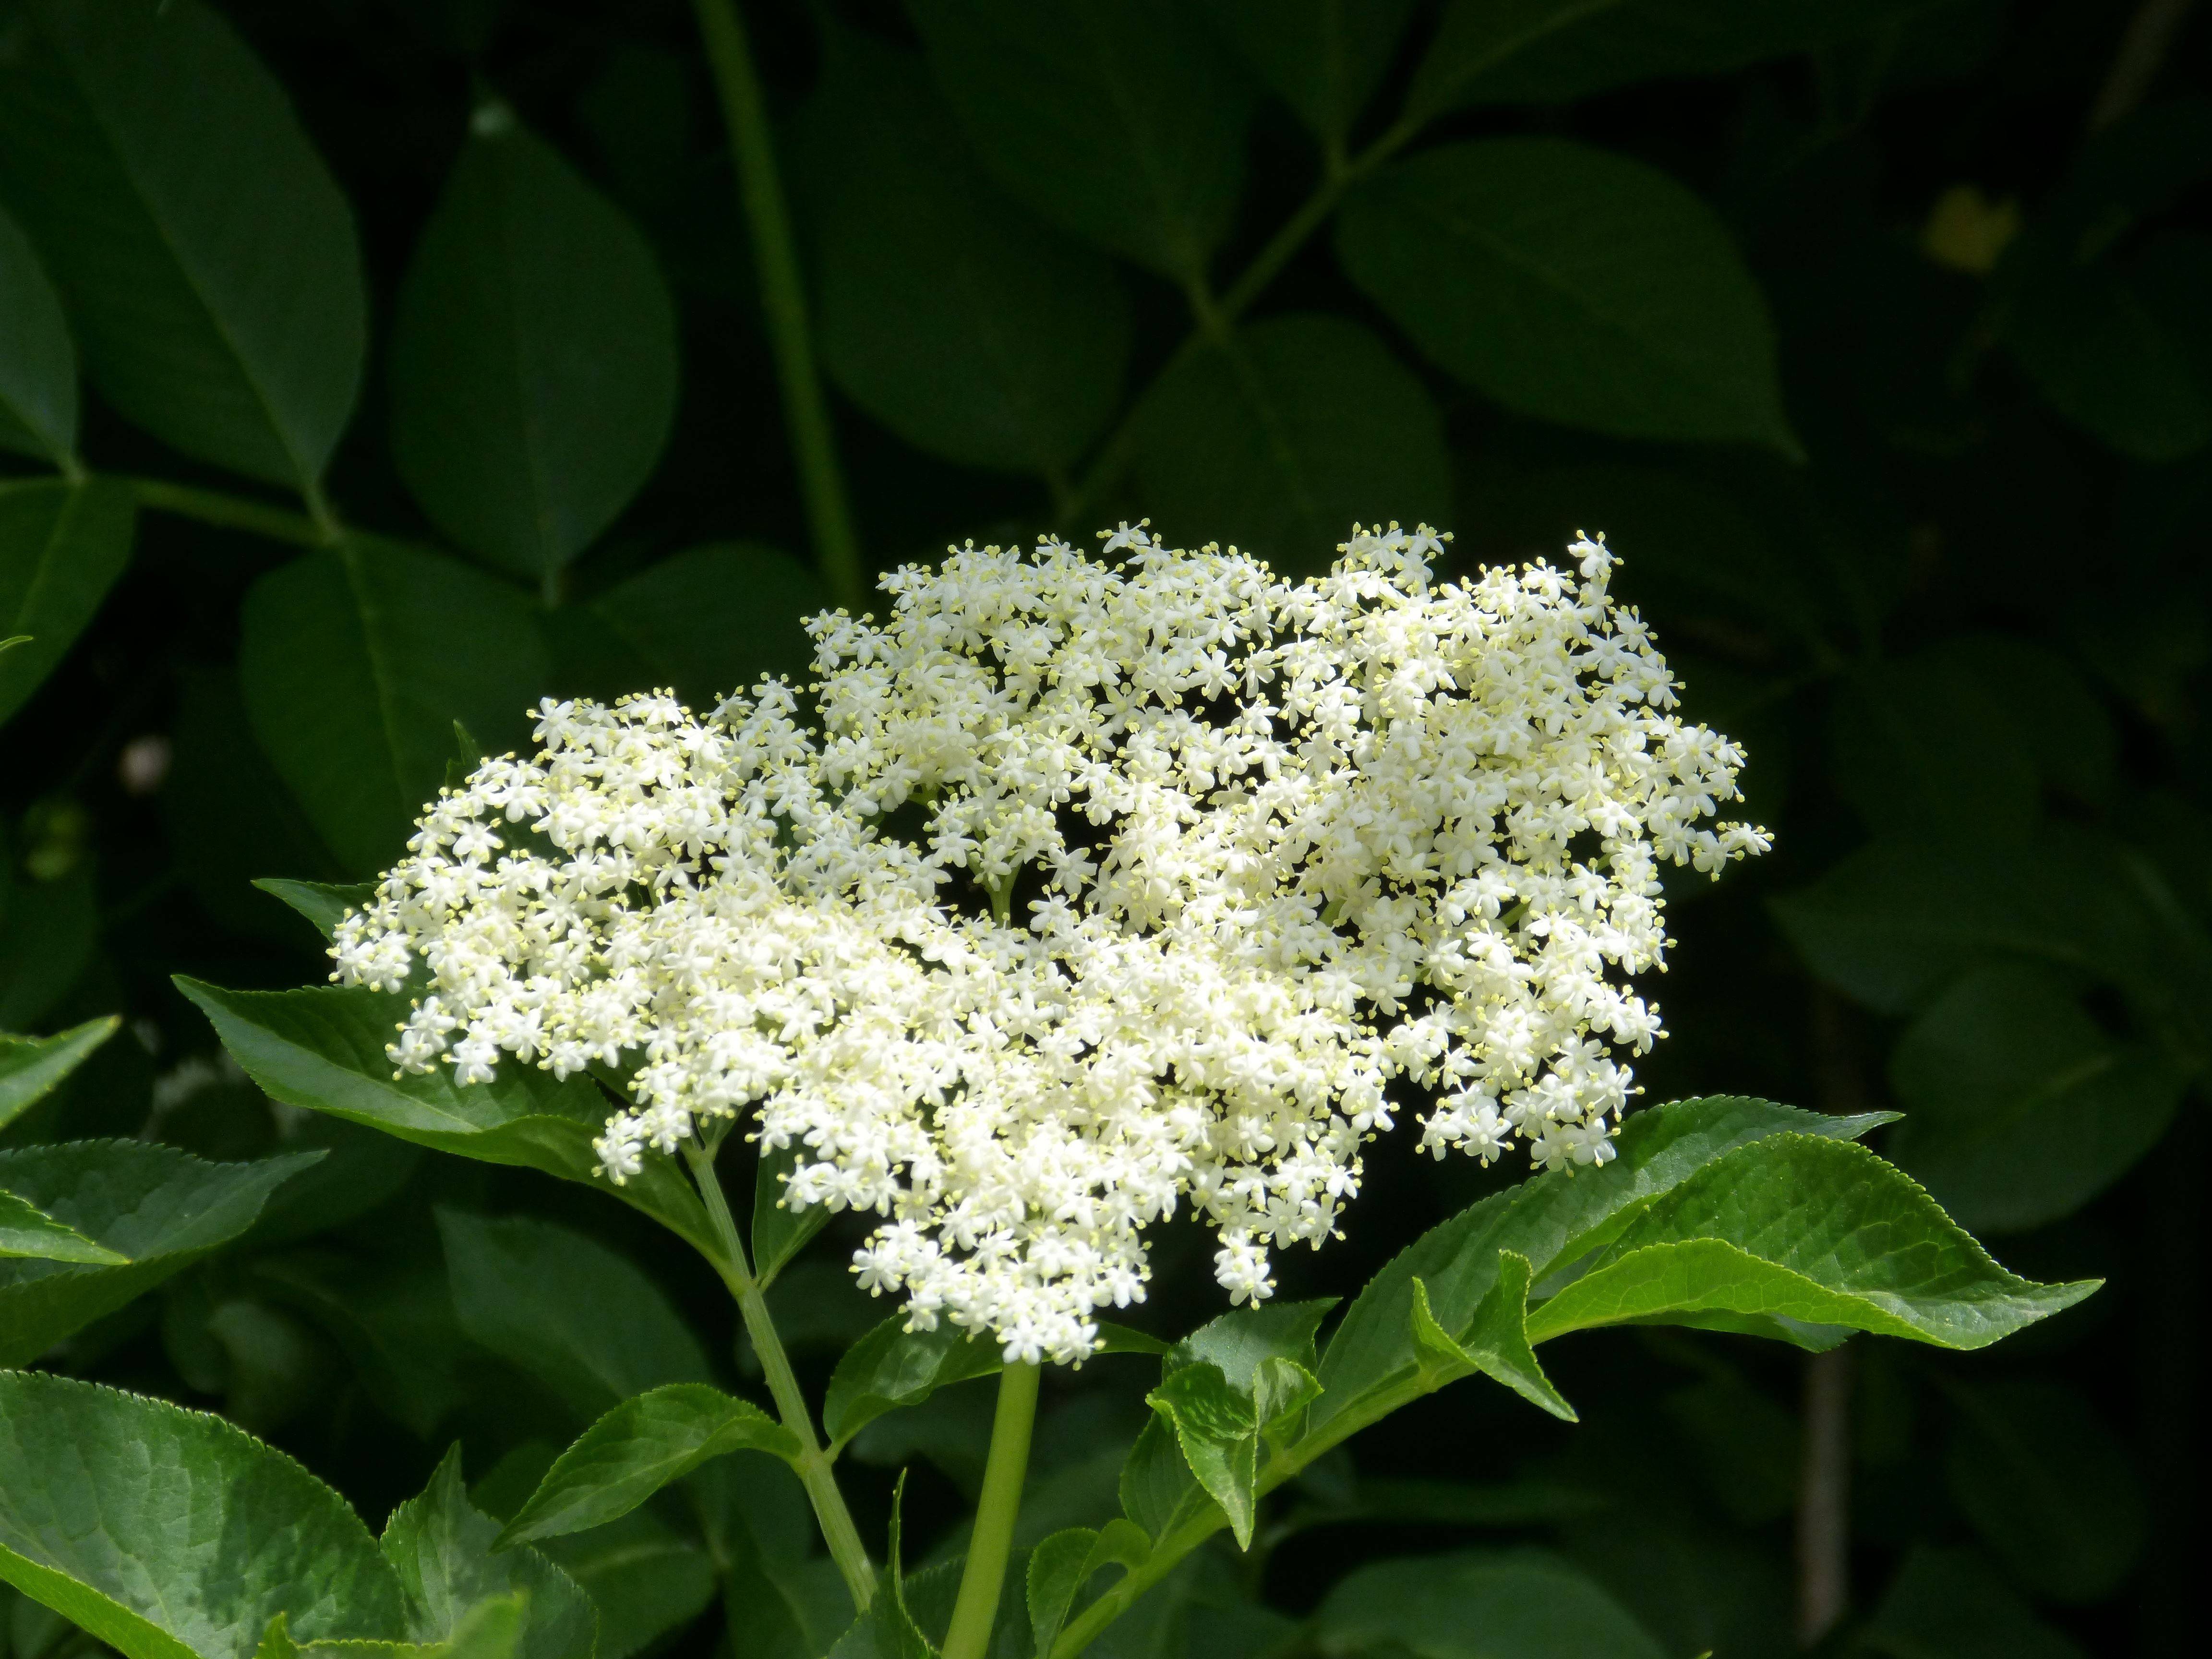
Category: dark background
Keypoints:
(1915, 514)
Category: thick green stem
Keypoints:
(829, 1511)
(968, 1637)
(229, 512)
(783, 298)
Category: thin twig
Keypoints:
(230, 511)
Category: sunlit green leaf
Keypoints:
(534, 356)
(1810, 1230)
(321, 902)
(1122, 120)
(1062, 1564)
(891, 1367)
(158, 1209)
(38, 364)
(357, 661)
(1496, 1344)
(62, 546)
(638, 1448)
(207, 261)
(169, 1535)
(323, 1049)
(1572, 284)
(1552, 1219)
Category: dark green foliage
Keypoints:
(1873, 336)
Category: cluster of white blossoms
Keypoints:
(1082, 888)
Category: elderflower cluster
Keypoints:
(1083, 889)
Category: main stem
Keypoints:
(814, 1473)
(992, 1540)
(783, 297)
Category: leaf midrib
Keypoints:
(109, 129)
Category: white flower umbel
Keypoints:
(1087, 888)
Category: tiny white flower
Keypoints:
(1191, 866)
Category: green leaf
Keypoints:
(1323, 58)
(946, 312)
(229, 817)
(357, 661)
(322, 1050)
(158, 1209)
(891, 1367)
(2020, 1109)
(1549, 51)
(779, 1232)
(1157, 1488)
(2123, 351)
(1552, 1219)
(171, 1535)
(28, 1231)
(62, 546)
(1217, 1424)
(1281, 438)
(1518, 1604)
(715, 620)
(566, 1309)
(30, 1068)
(2051, 1488)
(1122, 120)
(38, 364)
(638, 1448)
(1061, 1565)
(534, 356)
(440, 1547)
(1896, 919)
(647, 1581)
(1923, 748)
(2069, 735)
(209, 262)
(888, 1629)
(322, 903)
(49, 935)
(1496, 1345)
(1951, 1604)
(1570, 284)
(1243, 1339)
(1811, 1229)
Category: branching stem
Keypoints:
(814, 1473)
(783, 298)
(968, 1636)
(1213, 317)
(229, 512)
